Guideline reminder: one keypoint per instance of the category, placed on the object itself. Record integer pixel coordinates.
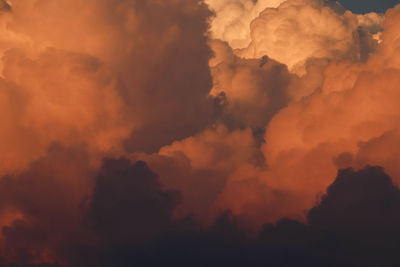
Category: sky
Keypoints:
(365, 6)
(199, 133)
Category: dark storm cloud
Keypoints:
(43, 204)
(128, 221)
(129, 204)
(359, 201)
(355, 224)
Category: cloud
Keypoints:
(122, 215)
(252, 90)
(146, 132)
(231, 22)
(354, 105)
(215, 148)
(142, 88)
(40, 107)
(44, 205)
(199, 167)
(326, 116)
(4, 6)
(291, 35)
(132, 196)
(347, 206)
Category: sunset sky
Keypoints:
(199, 133)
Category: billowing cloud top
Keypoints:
(198, 133)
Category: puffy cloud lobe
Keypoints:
(254, 200)
(372, 21)
(219, 170)
(232, 18)
(290, 34)
(252, 95)
(215, 148)
(199, 167)
(253, 90)
(61, 97)
(355, 105)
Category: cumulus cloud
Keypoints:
(359, 208)
(232, 18)
(147, 132)
(57, 96)
(354, 106)
(215, 148)
(149, 91)
(116, 227)
(131, 192)
(326, 117)
(252, 90)
(43, 204)
(332, 109)
(199, 167)
(290, 34)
